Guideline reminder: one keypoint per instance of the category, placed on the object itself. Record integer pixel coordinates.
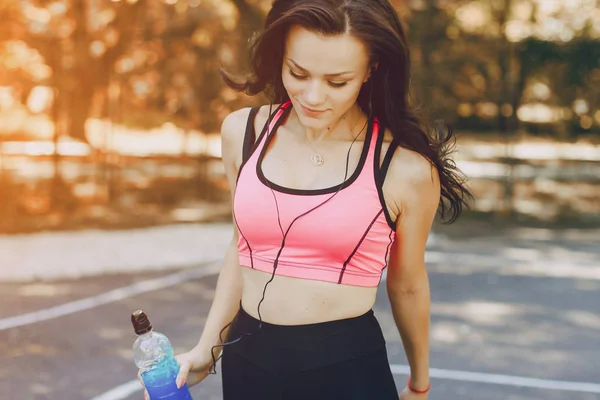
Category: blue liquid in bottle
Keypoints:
(153, 355)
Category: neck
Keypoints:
(344, 127)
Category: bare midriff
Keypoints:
(295, 301)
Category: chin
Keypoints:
(314, 123)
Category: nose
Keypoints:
(314, 95)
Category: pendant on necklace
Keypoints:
(317, 159)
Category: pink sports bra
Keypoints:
(346, 240)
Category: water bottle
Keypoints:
(153, 355)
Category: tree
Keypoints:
(80, 41)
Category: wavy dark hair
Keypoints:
(377, 25)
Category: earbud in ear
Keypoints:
(371, 72)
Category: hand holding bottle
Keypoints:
(158, 368)
(193, 367)
(192, 370)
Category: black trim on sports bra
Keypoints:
(311, 192)
(380, 172)
(358, 246)
(250, 140)
(387, 253)
(388, 158)
(249, 136)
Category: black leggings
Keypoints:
(344, 359)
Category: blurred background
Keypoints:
(110, 110)
(111, 186)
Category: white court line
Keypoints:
(121, 392)
(505, 380)
(127, 389)
(109, 297)
(435, 257)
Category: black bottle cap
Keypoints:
(141, 323)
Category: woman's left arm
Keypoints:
(417, 200)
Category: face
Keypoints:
(323, 75)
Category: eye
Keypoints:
(332, 84)
(296, 76)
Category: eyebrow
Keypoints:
(328, 75)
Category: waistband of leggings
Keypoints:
(301, 347)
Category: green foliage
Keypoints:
(135, 58)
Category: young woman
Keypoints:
(334, 183)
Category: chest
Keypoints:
(291, 164)
(335, 220)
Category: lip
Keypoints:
(311, 111)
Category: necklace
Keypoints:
(317, 159)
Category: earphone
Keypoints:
(212, 369)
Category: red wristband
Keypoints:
(412, 389)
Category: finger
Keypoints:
(184, 371)
(139, 376)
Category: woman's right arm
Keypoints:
(229, 284)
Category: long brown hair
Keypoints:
(377, 25)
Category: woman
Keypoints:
(335, 183)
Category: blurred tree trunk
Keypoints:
(426, 44)
(524, 71)
(428, 41)
(87, 73)
(505, 63)
(80, 80)
(57, 113)
(251, 19)
(504, 66)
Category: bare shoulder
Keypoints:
(233, 130)
(412, 173)
(415, 168)
(234, 126)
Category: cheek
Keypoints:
(345, 95)
(290, 84)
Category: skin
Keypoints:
(411, 193)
